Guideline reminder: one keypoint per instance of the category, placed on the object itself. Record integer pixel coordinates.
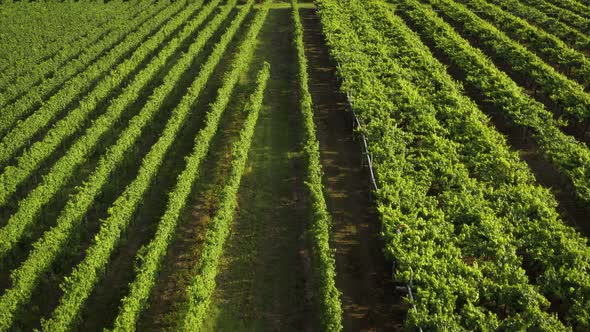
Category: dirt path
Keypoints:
(363, 276)
(263, 275)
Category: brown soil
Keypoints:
(370, 301)
(574, 212)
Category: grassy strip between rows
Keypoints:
(202, 286)
(20, 136)
(78, 286)
(62, 171)
(39, 95)
(47, 249)
(150, 261)
(327, 295)
(38, 73)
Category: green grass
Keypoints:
(261, 283)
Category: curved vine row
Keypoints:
(574, 64)
(566, 95)
(442, 191)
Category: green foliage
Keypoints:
(73, 46)
(21, 134)
(462, 216)
(201, 288)
(568, 61)
(83, 147)
(46, 250)
(327, 295)
(560, 13)
(576, 7)
(544, 237)
(80, 283)
(567, 95)
(203, 284)
(573, 37)
(149, 262)
(571, 157)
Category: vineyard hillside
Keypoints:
(295, 165)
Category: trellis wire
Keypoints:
(365, 147)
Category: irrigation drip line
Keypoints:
(365, 150)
